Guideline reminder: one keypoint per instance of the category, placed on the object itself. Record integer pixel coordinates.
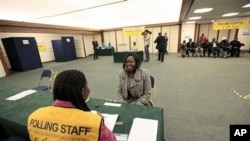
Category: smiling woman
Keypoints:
(134, 82)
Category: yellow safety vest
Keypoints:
(65, 124)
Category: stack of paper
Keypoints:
(110, 120)
(143, 130)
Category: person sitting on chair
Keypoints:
(215, 48)
(183, 48)
(69, 117)
(206, 48)
(104, 46)
(198, 49)
(236, 45)
(134, 47)
(190, 47)
(225, 47)
(134, 82)
(110, 46)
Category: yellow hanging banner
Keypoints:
(230, 25)
(133, 31)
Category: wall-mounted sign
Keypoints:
(68, 40)
(230, 24)
(246, 32)
(42, 47)
(26, 42)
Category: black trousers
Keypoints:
(235, 51)
(161, 53)
(95, 54)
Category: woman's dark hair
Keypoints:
(137, 60)
(68, 87)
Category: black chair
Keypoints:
(152, 78)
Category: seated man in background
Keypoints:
(104, 46)
(206, 48)
(190, 47)
(236, 45)
(69, 117)
(109, 46)
(215, 48)
(134, 82)
(134, 47)
(198, 49)
(183, 48)
(225, 48)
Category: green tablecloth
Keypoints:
(119, 56)
(14, 114)
(105, 52)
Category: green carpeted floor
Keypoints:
(201, 97)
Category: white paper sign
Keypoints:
(21, 95)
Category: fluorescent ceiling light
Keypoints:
(246, 6)
(230, 14)
(194, 18)
(203, 10)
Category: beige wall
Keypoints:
(244, 38)
(188, 31)
(173, 34)
(2, 71)
(212, 33)
(88, 43)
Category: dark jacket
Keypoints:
(235, 43)
(160, 42)
(95, 44)
(216, 44)
(190, 45)
(224, 44)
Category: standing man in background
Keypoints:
(146, 37)
(161, 46)
(166, 37)
(95, 48)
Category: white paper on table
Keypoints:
(121, 137)
(143, 130)
(21, 95)
(112, 104)
(110, 120)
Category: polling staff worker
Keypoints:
(69, 118)
(134, 82)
